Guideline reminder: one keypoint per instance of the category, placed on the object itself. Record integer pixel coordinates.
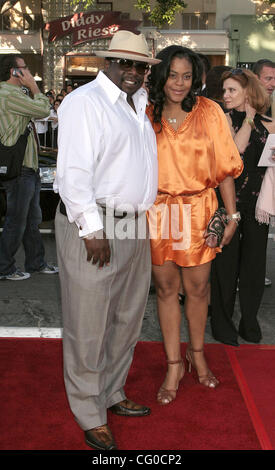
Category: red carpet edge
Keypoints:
(247, 396)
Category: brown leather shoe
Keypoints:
(100, 438)
(129, 408)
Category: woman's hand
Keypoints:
(229, 231)
(250, 112)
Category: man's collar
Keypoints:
(113, 91)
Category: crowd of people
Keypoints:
(156, 145)
(47, 128)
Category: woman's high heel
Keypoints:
(208, 380)
(166, 396)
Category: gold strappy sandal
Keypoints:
(166, 396)
(208, 380)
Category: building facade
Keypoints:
(21, 32)
(58, 39)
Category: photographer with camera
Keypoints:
(23, 214)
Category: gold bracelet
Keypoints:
(250, 121)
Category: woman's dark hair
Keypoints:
(213, 82)
(8, 62)
(160, 73)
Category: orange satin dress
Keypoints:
(192, 161)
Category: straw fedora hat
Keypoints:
(127, 45)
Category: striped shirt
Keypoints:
(16, 110)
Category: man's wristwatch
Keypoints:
(236, 217)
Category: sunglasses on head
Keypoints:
(236, 71)
(127, 64)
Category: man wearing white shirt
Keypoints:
(106, 178)
(41, 126)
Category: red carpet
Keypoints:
(238, 415)
(254, 370)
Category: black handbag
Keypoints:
(215, 228)
(11, 157)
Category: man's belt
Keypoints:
(62, 208)
(121, 215)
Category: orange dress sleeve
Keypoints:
(227, 158)
(200, 154)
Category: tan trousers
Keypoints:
(102, 313)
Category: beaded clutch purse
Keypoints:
(215, 228)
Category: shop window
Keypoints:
(83, 65)
(195, 21)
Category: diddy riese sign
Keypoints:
(89, 26)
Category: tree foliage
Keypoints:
(85, 3)
(269, 18)
(164, 11)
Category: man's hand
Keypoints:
(98, 249)
(26, 79)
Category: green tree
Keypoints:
(269, 18)
(164, 11)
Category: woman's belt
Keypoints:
(186, 194)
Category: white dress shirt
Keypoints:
(107, 153)
(41, 125)
(53, 113)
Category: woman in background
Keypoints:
(245, 257)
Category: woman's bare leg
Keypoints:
(196, 285)
(167, 282)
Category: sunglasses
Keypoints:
(236, 71)
(127, 64)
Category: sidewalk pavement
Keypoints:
(35, 303)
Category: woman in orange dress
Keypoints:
(196, 154)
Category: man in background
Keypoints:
(23, 214)
(265, 71)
